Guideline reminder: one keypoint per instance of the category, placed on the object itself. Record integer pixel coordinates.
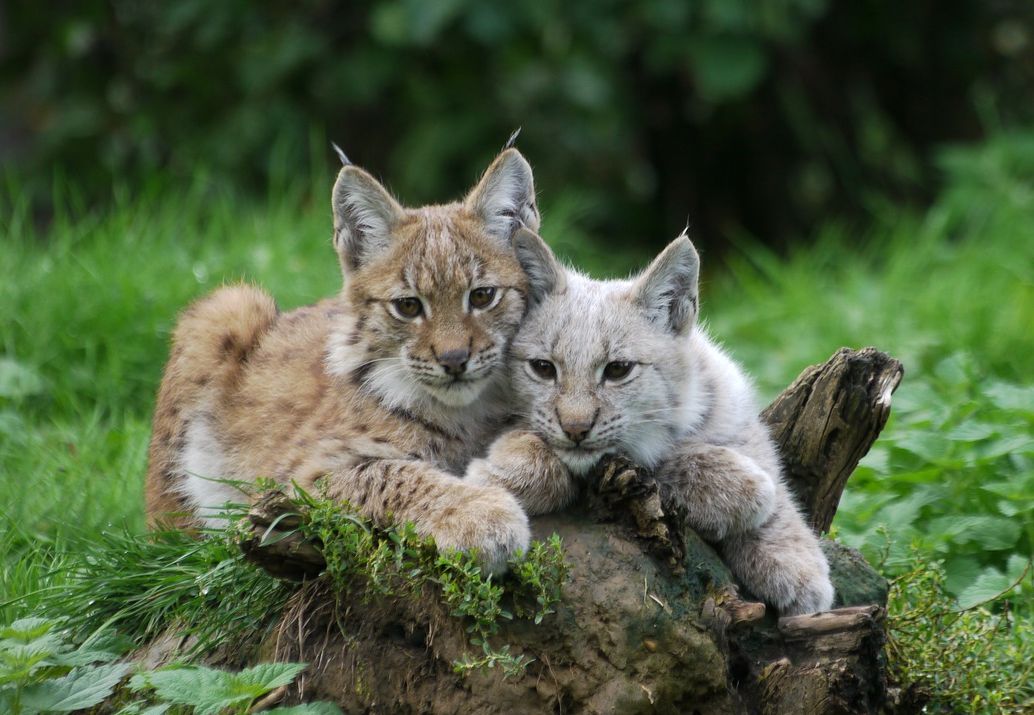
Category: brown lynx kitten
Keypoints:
(622, 367)
(385, 390)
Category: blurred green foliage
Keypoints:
(740, 114)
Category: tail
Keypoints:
(210, 348)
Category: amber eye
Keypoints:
(481, 297)
(543, 368)
(617, 370)
(408, 307)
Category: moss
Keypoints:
(856, 582)
(373, 562)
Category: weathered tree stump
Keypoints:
(651, 619)
(827, 420)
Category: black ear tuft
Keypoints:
(345, 161)
(512, 141)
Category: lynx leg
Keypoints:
(723, 491)
(456, 514)
(524, 465)
(781, 563)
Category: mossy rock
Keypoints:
(856, 582)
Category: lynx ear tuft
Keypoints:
(345, 161)
(504, 199)
(545, 274)
(512, 141)
(668, 290)
(364, 215)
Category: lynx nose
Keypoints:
(454, 361)
(577, 429)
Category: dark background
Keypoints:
(756, 118)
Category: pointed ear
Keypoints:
(545, 274)
(667, 290)
(504, 199)
(364, 214)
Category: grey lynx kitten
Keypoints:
(621, 367)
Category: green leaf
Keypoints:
(270, 675)
(1006, 445)
(320, 708)
(142, 708)
(987, 585)
(928, 446)
(25, 630)
(972, 432)
(85, 655)
(905, 511)
(960, 573)
(990, 532)
(1012, 397)
(210, 691)
(182, 685)
(81, 688)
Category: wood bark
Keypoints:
(666, 632)
(827, 420)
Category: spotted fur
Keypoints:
(385, 408)
(684, 409)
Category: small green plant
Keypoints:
(143, 584)
(538, 578)
(373, 562)
(949, 659)
(42, 672)
(208, 691)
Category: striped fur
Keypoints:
(349, 392)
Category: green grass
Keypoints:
(89, 303)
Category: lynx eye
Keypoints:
(481, 297)
(617, 370)
(544, 369)
(408, 308)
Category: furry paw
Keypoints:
(782, 563)
(491, 522)
(480, 472)
(523, 464)
(812, 596)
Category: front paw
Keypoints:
(523, 464)
(489, 522)
(481, 473)
(801, 578)
(813, 595)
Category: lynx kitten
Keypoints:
(384, 391)
(621, 367)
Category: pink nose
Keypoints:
(576, 430)
(454, 361)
